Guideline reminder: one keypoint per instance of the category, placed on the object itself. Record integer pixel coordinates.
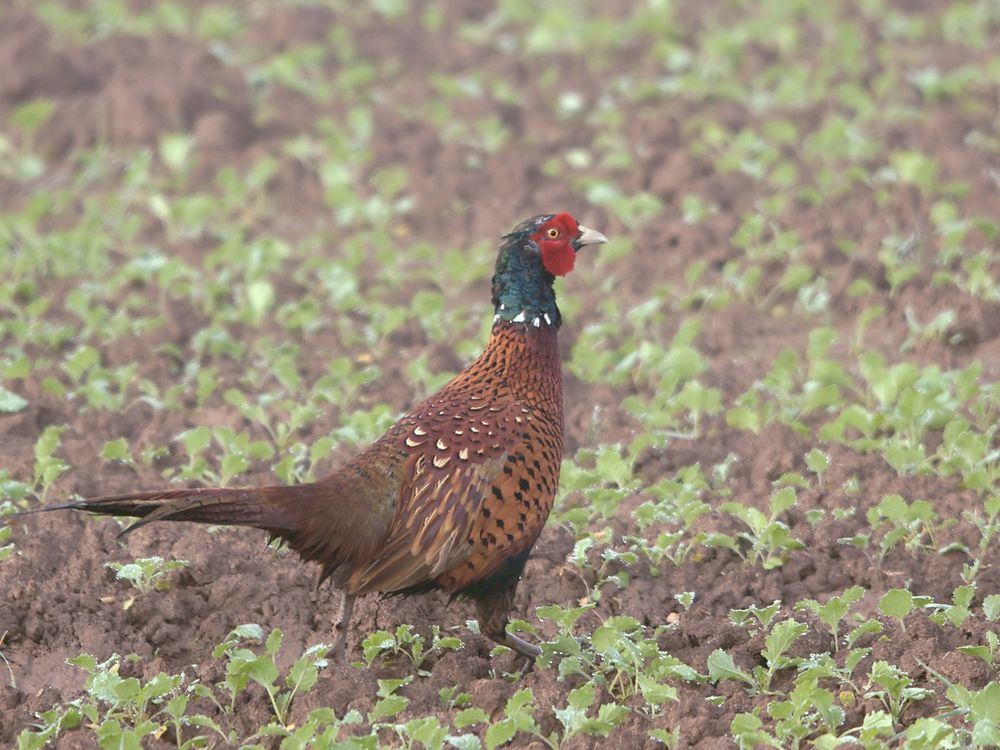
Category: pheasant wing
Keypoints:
(457, 448)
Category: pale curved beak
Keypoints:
(588, 236)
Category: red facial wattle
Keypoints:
(558, 255)
(558, 260)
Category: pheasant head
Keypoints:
(530, 257)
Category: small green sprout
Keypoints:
(6, 550)
(770, 540)
(894, 688)
(835, 609)
(147, 574)
(406, 644)
(48, 467)
(244, 666)
(988, 652)
(896, 603)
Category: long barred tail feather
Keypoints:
(214, 505)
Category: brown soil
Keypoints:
(59, 600)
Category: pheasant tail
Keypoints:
(262, 508)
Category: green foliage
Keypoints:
(48, 466)
(405, 644)
(279, 324)
(894, 688)
(913, 525)
(896, 603)
(243, 666)
(834, 610)
(574, 719)
(6, 549)
(770, 540)
(124, 711)
(147, 573)
(618, 655)
(10, 402)
(779, 640)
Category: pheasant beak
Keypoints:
(587, 236)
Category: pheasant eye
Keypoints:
(553, 233)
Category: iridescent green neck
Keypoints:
(522, 288)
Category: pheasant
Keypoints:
(455, 494)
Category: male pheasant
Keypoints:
(455, 494)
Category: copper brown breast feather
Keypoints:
(455, 494)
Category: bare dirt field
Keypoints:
(212, 204)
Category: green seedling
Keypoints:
(48, 467)
(618, 655)
(676, 502)
(959, 610)
(825, 667)
(127, 712)
(10, 670)
(898, 258)
(127, 697)
(762, 616)
(389, 704)
(988, 526)
(574, 719)
(175, 151)
(10, 402)
(991, 606)
(405, 644)
(122, 712)
(18, 159)
(669, 738)
(834, 610)
(897, 603)
(6, 548)
(968, 449)
(238, 450)
(518, 717)
(868, 627)
(988, 652)
(343, 381)
(419, 371)
(894, 689)
(117, 451)
(452, 697)
(613, 568)
(426, 731)
(781, 637)
(979, 707)
(770, 540)
(818, 463)
(939, 327)
(49, 725)
(807, 710)
(914, 525)
(721, 666)
(928, 733)
(243, 666)
(362, 427)
(147, 574)
(685, 599)
(280, 432)
(603, 487)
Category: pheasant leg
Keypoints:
(341, 626)
(492, 610)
